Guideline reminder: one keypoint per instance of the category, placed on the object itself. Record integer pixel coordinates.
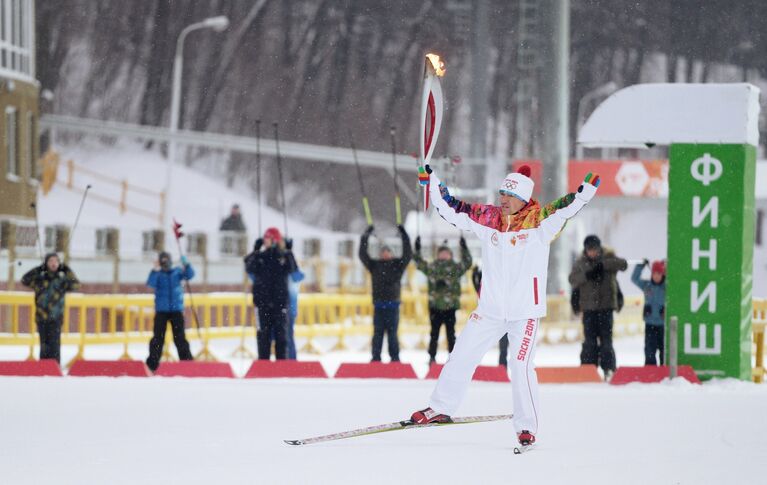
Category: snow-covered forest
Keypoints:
(328, 69)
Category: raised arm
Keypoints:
(363, 252)
(407, 250)
(466, 260)
(556, 214)
(636, 276)
(73, 284)
(420, 263)
(615, 264)
(31, 277)
(454, 211)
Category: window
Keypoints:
(16, 39)
(11, 142)
(31, 154)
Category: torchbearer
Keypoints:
(515, 239)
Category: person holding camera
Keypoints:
(594, 278)
(269, 266)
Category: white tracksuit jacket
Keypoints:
(512, 300)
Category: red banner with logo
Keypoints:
(620, 178)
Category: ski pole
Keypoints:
(279, 173)
(37, 230)
(74, 226)
(178, 234)
(365, 203)
(397, 208)
(258, 171)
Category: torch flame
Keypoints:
(436, 64)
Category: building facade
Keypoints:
(19, 92)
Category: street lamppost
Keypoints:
(602, 91)
(218, 24)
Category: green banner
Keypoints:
(710, 256)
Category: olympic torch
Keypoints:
(431, 117)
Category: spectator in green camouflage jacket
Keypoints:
(444, 277)
(51, 281)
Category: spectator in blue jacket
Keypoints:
(294, 285)
(165, 280)
(654, 308)
(269, 266)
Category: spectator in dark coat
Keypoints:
(594, 276)
(234, 221)
(166, 282)
(269, 266)
(50, 282)
(386, 274)
(654, 291)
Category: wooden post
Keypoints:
(124, 197)
(113, 249)
(10, 233)
(70, 173)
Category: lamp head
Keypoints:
(218, 24)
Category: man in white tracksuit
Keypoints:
(515, 240)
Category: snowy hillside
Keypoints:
(197, 200)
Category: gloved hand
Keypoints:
(259, 242)
(418, 244)
(588, 189)
(369, 230)
(427, 168)
(597, 273)
(184, 261)
(288, 243)
(462, 242)
(645, 262)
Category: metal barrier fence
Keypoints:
(324, 322)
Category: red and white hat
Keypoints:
(518, 184)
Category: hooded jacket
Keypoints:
(596, 280)
(515, 249)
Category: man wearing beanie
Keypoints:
(50, 281)
(269, 266)
(654, 313)
(594, 276)
(386, 274)
(515, 239)
(166, 280)
(444, 277)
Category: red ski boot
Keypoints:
(526, 438)
(429, 416)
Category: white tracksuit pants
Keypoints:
(481, 334)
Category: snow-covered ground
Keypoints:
(188, 431)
